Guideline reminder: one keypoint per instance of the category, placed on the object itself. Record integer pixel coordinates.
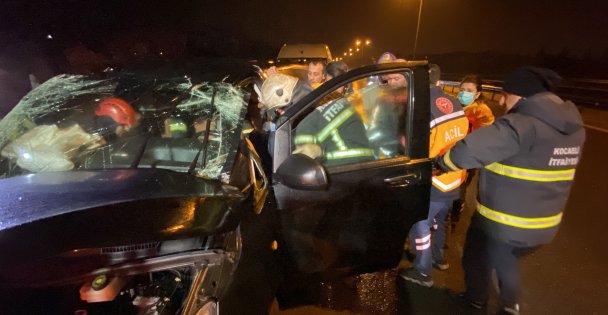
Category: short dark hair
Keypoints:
(434, 74)
(336, 68)
(475, 79)
(317, 62)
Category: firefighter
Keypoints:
(47, 148)
(334, 133)
(114, 117)
(448, 125)
(528, 158)
(278, 93)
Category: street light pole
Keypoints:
(417, 30)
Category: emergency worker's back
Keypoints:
(448, 126)
(545, 137)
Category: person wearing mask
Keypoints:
(470, 97)
(479, 115)
(448, 126)
(527, 160)
(316, 74)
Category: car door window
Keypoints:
(363, 121)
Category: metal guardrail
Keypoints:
(583, 92)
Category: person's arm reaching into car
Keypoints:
(485, 146)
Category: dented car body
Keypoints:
(178, 214)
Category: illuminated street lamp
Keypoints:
(368, 42)
(417, 29)
(357, 48)
(358, 42)
(350, 49)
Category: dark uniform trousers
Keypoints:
(527, 160)
(482, 254)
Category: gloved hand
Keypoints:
(438, 168)
(312, 150)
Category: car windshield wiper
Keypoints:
(203, 147)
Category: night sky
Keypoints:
(511, 26)
(489, 37)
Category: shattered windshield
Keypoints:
(75, 122)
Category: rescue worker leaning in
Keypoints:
(448, 126)
(277, 93)
(368, 95)
(334, 132)
(332, 70)
(385, 130)
(527, 158)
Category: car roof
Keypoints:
(304, 51)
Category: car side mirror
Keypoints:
(301, 172)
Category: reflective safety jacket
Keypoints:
(448, 126)
(479, 115)
(338, 129)
(528, 159)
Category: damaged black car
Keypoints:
(140, 193)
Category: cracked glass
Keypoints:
(75, 122)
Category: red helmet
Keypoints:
(117, 109)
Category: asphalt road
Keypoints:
(568, 276)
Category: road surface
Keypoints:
(568, 276)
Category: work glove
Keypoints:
(438, 168)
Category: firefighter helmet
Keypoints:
(118, 109)
(386, 58)
(277, 90)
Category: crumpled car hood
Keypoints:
(50, 213)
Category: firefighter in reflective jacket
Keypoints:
(448, 126)
(527, 158)
(335, 133)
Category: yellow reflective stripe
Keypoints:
(520, 222)
(448, 161)
(349, 154)
(178, 127)
(335, 136)
(335, 123)
(302, 139)
(248, 130)
(531, 174)
(446, 187)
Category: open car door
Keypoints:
(349, 216)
